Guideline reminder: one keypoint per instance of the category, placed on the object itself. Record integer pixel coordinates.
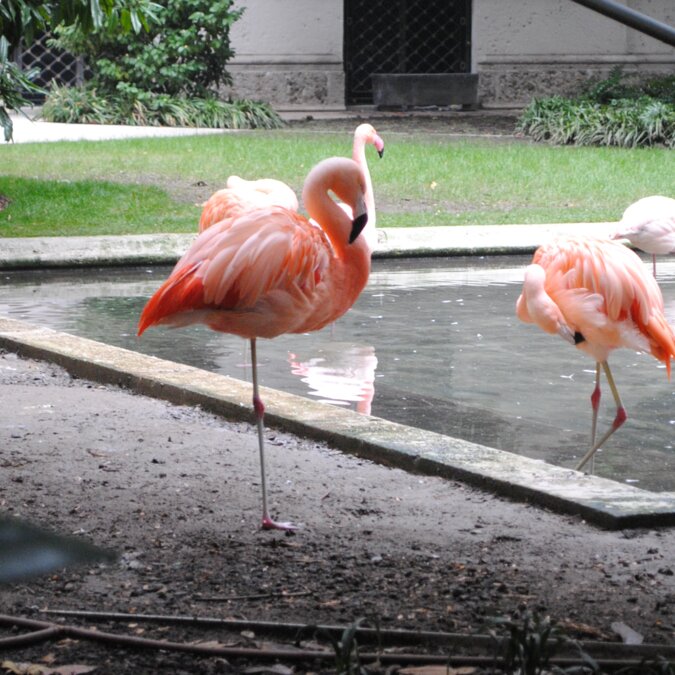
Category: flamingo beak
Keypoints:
(357, 226)
(379, 146)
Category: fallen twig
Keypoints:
(262, 596)
(383, 636)
(48, 631)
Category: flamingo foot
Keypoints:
(269, 524)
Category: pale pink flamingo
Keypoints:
(649, 224)
(270, 272)
(597, 295)
(242, 195)
(365, 134)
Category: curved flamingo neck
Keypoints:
(332, 219)
(359, 156)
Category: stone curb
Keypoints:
(603, 502)
(147, 249)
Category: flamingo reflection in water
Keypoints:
(344, 373)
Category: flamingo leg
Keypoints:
(595, 405)
(654, 264)
(267, 522)
(619, 419)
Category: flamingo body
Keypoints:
(597, 296)
(270, 271)
(242, 195)
(649, 224)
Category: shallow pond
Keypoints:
(432, 343)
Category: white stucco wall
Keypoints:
(289, 52)
(532, 47)
(288, 31)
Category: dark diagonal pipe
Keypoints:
(641, 22)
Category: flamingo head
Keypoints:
(367, 134)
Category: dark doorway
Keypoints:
(403, 36)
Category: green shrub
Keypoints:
(610, 112)
(183, 52)
(167, 76)
(86, 105)
(619, 86)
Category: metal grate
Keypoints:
(54, 65)
(403, 36)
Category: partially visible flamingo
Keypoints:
(596, 295)
(242, 195)
(365, 134)
(269, 271)
(649, 224)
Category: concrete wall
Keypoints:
(536, 47)
(289, 52)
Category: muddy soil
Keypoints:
(449, 123)
(175, 492)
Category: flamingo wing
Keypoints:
(225, 204)
(604, 293)
(268, 257)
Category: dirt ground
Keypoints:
(174, 492)
(490, 123)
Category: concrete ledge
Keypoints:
(142, 249)
(600, 501)
(423, 89)
(148, 249)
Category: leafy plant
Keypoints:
(610, 112)
(22, 19)
(530, 645)
(182, 53)
(346, 650)
(14, 86)
(168, 76)
(87, 105)
(617, 85)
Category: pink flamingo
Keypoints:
(242, 195)
(596, 295)
(649, 224)
(270, 272)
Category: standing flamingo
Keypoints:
(597, 296)
(365, 134)
(242, 195)
(649, 224)
(270, 272)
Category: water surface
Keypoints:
(431, 343)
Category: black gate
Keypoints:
(54, 65)
(403, 36)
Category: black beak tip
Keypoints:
(381, 153)
(357, 227)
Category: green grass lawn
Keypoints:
(157, 185)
